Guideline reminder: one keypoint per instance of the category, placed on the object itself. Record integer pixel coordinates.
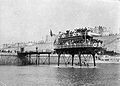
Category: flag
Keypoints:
(51, 34)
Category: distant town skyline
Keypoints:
(32, 20)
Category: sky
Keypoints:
(31, 20)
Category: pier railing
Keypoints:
(77, 46)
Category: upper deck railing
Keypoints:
(78, 45)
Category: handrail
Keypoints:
(77, 45)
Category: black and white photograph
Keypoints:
(59, 42)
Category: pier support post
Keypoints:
(94, 59)
(72, 59)
(29, 59)
(49, 59)
(58, 59)
(79, 55)
(38, 59)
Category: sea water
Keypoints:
(64, 75)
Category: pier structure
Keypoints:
(78, 51)
(78, 42)
(26, 57)
(8, 59)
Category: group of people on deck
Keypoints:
(81, 40)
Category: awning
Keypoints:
(93, 34)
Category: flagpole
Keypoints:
(85, 36)
(51, 39)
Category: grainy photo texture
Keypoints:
(59, 42)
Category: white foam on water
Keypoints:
(74, 66)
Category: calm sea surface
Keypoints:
(51, 75)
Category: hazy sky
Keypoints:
(29, 20)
